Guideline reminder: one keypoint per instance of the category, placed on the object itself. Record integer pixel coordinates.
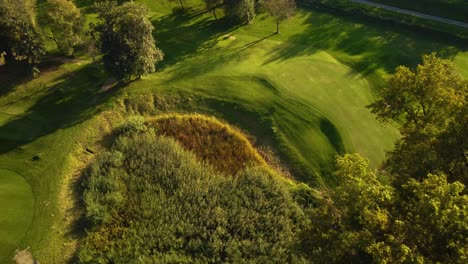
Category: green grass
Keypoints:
(16, 205)
(303, 92)
(453, 9)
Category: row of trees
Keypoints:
(123, 35)
(245, 10)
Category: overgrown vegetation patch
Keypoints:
(226, 148)
(149, 200)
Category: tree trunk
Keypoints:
(277, 27)
(214, 13)
(181, 4)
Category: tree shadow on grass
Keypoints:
(11, 76)
(65, 104)
(183, 34)
(375, 44)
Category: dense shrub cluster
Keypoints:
(150, 201)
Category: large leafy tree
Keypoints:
(430, 103)
(66, 24)
(240, 10)
(363, 220)
(280, 10)
(124, 36)
(19, 37)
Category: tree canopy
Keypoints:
(240, 10)
(66, 24)
(124, 37)
(19, 37)
(363, 220)
(430, 102)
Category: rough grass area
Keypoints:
(226, 148)
(150, 200)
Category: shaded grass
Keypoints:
(43, 116)
(453, 9)
(227, 149)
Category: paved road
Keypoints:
(408, 12)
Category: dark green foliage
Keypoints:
(151, 201)
(240, 10)
(124, 36)
(19, 37)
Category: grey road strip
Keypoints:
(417, 14)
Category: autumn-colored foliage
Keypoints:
(226, 148)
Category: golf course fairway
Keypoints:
(16, 204)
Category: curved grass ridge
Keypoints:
(213, 141)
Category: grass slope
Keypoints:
(16, 205)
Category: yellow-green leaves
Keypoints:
(66, 24)
(430, 103)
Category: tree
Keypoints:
(125, 39)
(364, 220)
(19, 38)
(66, 24)
(211, 5)
(350, 218)
(241, 10)
(430, 102)
(280, 10)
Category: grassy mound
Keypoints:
(223, 146)
(151, 201)
(16, 202)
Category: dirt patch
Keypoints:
(24, 257)
(230, 37)
(109, 84)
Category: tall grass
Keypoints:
(151, 201)
(226, 148)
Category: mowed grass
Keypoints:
(315, 105)
(212, 141)
(16, 204)
(303, 92)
